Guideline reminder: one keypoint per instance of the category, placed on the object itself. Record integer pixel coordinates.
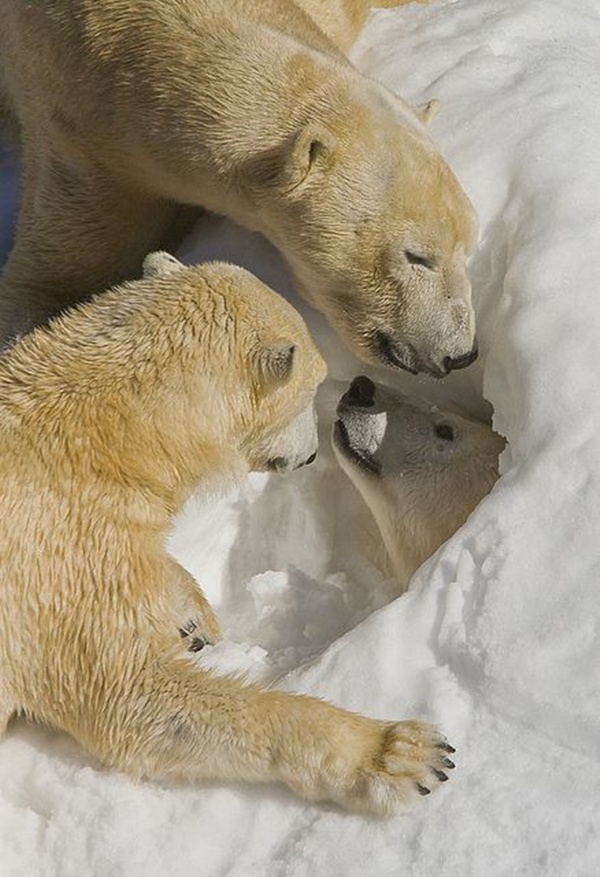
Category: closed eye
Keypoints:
(416, 259)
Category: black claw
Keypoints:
(187, 629)
(197, 644)
(440, 775)
(447, 763)
(422, 789)
(446, 747)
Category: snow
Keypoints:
(498, 638)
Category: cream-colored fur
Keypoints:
(108, 418)
(420, 469)
(341, 20)
(131, 108)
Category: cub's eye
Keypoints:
(415, 259)
(444, 431)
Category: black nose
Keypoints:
(361, 392)
(463, 361)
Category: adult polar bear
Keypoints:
(129, 109)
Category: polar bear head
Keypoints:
(421, 470)
(253, 357)
(376, 229)
(185, 376)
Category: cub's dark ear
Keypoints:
(307, 149)
(160, 264)
(427, 112)
(276, 362)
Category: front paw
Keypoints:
(409, 759)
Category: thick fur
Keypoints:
(109, 417)
(129, 109)
(420, 469)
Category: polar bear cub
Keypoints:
(421, 470)
(109, 417)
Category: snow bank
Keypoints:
(498, 639)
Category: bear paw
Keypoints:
(410, 759)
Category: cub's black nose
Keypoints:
(361, 392)
(460, 361)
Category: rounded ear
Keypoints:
(307, 149)
(159, 264)
(427, 112)
(275, 363)
(289, 163)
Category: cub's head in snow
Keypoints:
(421, 470)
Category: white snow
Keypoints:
(498, 639)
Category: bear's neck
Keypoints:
(217, 102)
(101, 444)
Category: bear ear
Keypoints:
(427, 112)
(290, 163)
(276, 362)
(160, 264)
(307, 149)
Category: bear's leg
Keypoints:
(196, 621)
(180, 721)
(79, 231)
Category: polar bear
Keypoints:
(420, 469)
(128, 110)
(109, 416)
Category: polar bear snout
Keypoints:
(453, 363)
(349, 445)
(401, 354)
(360, 428)
(360, 392)
(297, 445)
(397, 354)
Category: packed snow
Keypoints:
(498, 637)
